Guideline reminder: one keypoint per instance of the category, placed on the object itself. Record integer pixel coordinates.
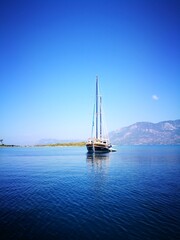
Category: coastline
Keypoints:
(69, 144)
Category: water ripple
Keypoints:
(67, 195)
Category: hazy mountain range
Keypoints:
(147, 133)
(140, 133)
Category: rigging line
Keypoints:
(92, 130)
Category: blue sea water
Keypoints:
(63, 193)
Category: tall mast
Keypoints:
(97, 103)
(100, 117)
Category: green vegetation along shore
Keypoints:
(69, 144)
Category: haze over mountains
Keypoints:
(147, 133)
(140, 133)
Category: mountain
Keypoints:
(146, 133)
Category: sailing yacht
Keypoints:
(98, 144)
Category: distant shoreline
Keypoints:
(9, 145)
(69, 144)
(77, 144)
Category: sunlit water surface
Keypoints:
(63, 193)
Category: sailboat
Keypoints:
(99, 143)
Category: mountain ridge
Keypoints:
(148, 133)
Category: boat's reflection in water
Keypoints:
(95, 157)
(98, 162)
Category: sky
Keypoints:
(51, 52)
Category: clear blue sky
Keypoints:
(51, 52)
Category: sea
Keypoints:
(64, 193)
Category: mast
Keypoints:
(100, 117)
(97, 103)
